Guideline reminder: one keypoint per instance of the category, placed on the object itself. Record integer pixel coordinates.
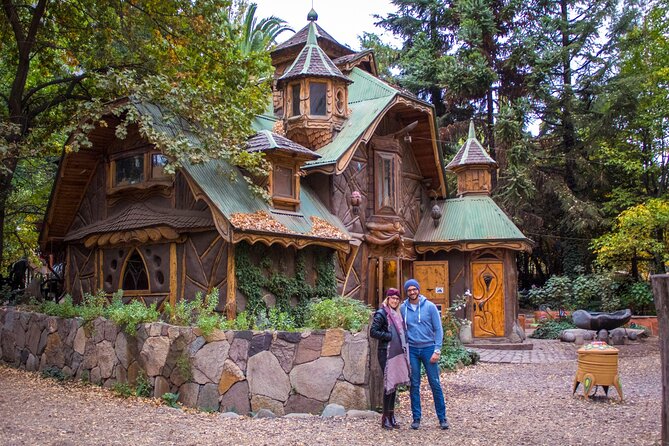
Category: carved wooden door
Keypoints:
(488, 298)
(433, 279)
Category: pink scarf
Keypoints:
(397, 364)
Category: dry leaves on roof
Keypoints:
(321, 228)
(258, 221)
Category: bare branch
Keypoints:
(35, 89)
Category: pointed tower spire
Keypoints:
(472, 132)
(472, 165)
(315, 93)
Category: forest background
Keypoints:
(571, 98)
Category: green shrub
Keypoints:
(143, 387)
(171, 399)
(95, 305)
(551, 328)
(590, 292)
(455, 353)
(184, 367)
(182, 312)
(123, 389)
(275, 320)
(65, 309)
(54, 373)
(242, 321)
(130, 315)
(339, 312)
(452, 350)
(638, 296)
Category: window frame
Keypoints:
(325, 86)
(380, 180)
(285, 202)
(291, 97)
(124, 269)
(147, 170)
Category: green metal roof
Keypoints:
(263, 122)
(367, 97)
(230, 194)
(469, 218)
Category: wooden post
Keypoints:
(173, 275)
(231, 292)
(375, 375)
(660, 284)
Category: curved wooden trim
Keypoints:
(222, 224)
(348, 266)
(473, 246)
(145, 235)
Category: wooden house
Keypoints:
(357, 172)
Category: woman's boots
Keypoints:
(393, 423)
(385, 421)
(388, 417)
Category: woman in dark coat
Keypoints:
(388, 328)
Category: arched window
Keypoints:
(134, 274)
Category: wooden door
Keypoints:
(384, 274)
(433, 279)
(488, 298)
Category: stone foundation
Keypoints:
(238, 371)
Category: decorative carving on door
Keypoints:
(488, 298)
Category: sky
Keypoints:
(342, 19)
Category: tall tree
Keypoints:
(64, 61)
(422, 25)
(634, 129)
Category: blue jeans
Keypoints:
(416, 357)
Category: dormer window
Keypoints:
(129, 170)
(317, 98)
(285, 187)
(138, 170)
(283, 182)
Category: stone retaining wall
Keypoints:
(238, 371)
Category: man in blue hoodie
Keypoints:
(424, 336)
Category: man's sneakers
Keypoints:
(443, 424)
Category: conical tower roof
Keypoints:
(312, 60)
(471, 153)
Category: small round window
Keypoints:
(339, 102)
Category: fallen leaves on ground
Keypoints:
(488, 404)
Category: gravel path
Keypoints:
(489, 404)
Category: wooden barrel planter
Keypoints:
(597, 366)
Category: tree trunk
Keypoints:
(661, 296)
(6, 175)
(568, 130)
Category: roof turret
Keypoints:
(312, 60)
(471, 153)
